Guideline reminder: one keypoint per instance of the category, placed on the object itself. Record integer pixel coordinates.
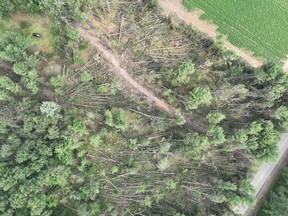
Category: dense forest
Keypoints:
(76, 140)
(277, 199)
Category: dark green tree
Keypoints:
(277, 199)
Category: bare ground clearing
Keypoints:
(175, 6)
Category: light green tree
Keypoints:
(50, 108)
(199, 96)
(215, 117)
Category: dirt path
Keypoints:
(120, 72)
(175, 6)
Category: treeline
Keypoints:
(277, 199)
(74, 10)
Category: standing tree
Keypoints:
(199, 96)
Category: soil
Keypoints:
(175, 6)
(120, 72)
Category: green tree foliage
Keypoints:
(26, 67)
(7, 84)
(277, 199)
(262, 140)
(85, 76)
(281, 113)
(49, 108)
(116, 118)
(196, 145)
(14, 47)
(153, 2)
(217, 133)
(30, 84)
(73, 9)
(58, 82)
(29, 159)
(6, 8)
(72, 34)
(184, 72)
(268, 71)
(215, 118)
(83, 44)
(3, 95)
(241, 136)
(199, 96)
(180, 119)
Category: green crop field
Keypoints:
(260, 26)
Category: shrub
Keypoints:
(24, 24)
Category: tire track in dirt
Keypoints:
(120, 72)
(175, 6)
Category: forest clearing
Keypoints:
(27, 24)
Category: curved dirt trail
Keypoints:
(175, 6)
(119, 71)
